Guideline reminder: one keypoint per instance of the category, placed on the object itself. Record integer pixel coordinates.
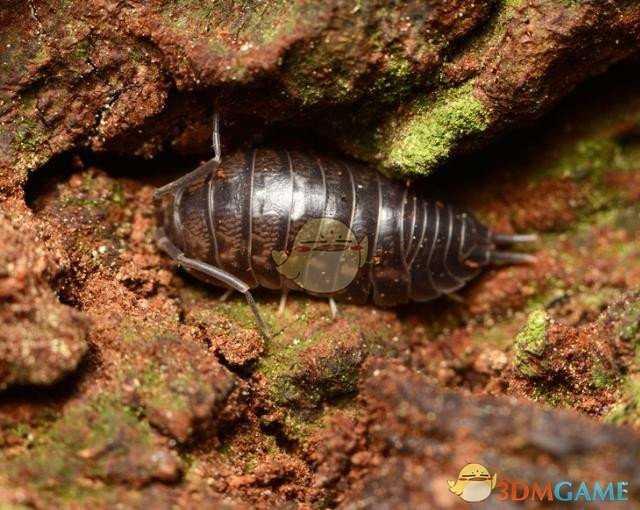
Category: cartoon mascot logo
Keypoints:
(474, 483)
(325, 257)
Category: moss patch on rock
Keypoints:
(97, 440)
(179, 386)
(307, 371)
(627, 410)
(432, 128)
(531, 342)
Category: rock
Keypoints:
(621, 324)
(303, 418)
(324, 364)
(580, 366)
(427, 435)
(228, 327)
(529, 55)
(332, 450)
(40, 343)
(41, 340)
(180, 386)
(409, 84)
(95, 439)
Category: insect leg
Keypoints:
(334, 308)
(513, 238)
(283, 301)
(225, 296)
(214, 272)
(508, 257)
(200, 172)
(215, 137)
(455, 297)
(203, 169)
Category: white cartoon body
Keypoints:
(325, 257)
(474, 483)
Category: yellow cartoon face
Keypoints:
(325, 257)
(474, 483)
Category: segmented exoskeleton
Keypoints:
(297, 221)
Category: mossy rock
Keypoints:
(433, 128)
(98, 439)
(304, 372)
(531, 342)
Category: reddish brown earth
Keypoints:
(123, 381)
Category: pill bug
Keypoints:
(292, 220)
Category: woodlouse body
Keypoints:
(290, 220)
(253, 205)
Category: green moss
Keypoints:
(28, 135)
(556, 396)
(263, 26)
(13, 506)
(135, 331)
(433, 128)
(80, 52)
(586, 157)
(595, 301)
(533, 337)
(627, 410)
(531, 342)
(511, 4)
(394, 82)
(601, 378)
(239, 311)
(160, 390)
(80, 444)
(189, 16)
(337, 82)
(254, 24)
(629, 329)
(279, 365)
(305, 371)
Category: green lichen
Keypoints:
(531, 342)
(433, 128)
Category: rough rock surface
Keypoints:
(41, 340)
(420, 434)
(124, 382)
(178, 386)
(405, 85)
